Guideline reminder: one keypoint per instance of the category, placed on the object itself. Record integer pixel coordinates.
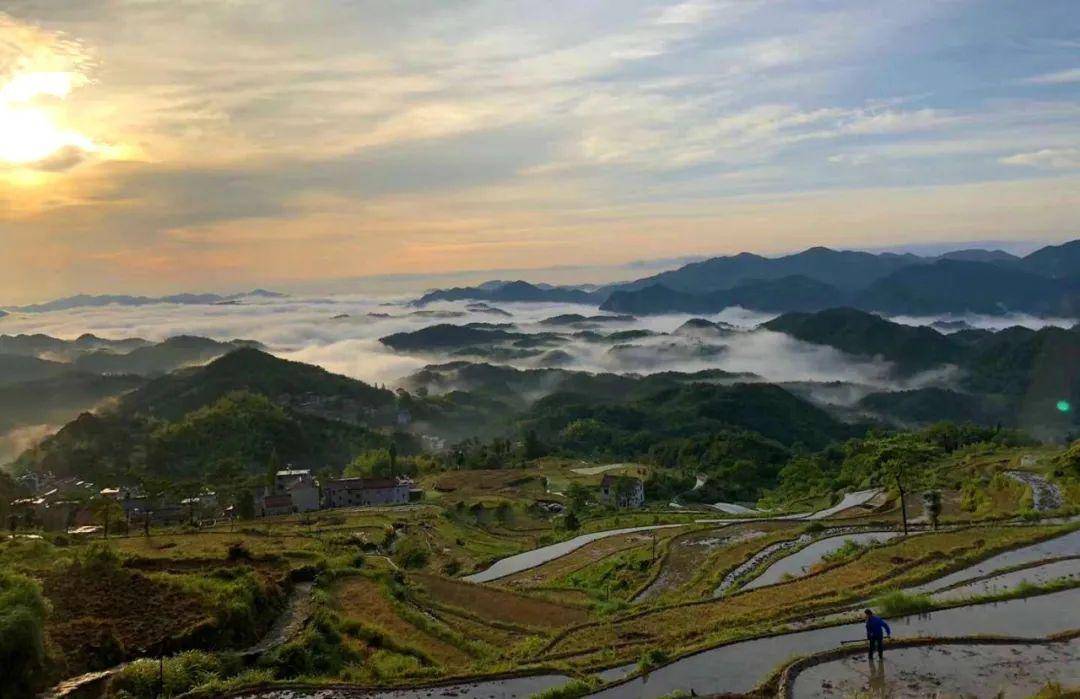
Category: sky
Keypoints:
(199, 145)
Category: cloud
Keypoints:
(1047, 159)
(1060, 77)
(420, 138)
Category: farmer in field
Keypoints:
(876, 630)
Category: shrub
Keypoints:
(652, 658)
(317, 651)
(181, 673)
(848, 549)
(411, 554)
(571, 690)
(22, 634)
(899, 603)
(238, 552)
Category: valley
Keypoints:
(517, 494)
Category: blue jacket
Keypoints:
(875, 625)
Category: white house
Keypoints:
(300, 486)
(357, 492)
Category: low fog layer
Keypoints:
(341, 334)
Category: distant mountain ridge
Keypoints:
(88, 300)
(1046, 281)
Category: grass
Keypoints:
(571, 690)
(880, 568)
(366, 604)
(492, 603)
(900, 603)
(380, 626)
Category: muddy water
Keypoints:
(495, 689)
(1067, 545)
(1037, 575)
(801, 561)
(531, 559)
(1044, 494)
(949, 670)
(739, 667)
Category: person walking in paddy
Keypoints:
(876, 630)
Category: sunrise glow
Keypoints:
(29, 132)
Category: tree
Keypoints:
(245, 504)
(273, 465)
(391, 454)
(532, 447)
(571, 522)
(898, 460)
(22, 634)
(578, 495)
(106, 510)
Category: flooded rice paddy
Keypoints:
(1007, 671)
(800, 562)
(739, 667)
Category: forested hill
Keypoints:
(233, 414)
(911, 348)
(295, 384)
(1017, 376)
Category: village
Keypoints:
(79, 507)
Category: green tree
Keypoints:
(106, 512)
(22, 634)
(578, 495)
(532, 447)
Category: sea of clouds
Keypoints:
(341, 333)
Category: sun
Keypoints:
(28, 132)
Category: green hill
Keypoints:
(910, 348)
(301, 386)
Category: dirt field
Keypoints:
(363, 600)
(499, 605)
(100, 617)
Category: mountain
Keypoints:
(926, 406)
(578, 320)
(954, 286)
(791, 293)
(600, 426)
(236, 412)
(473, 339)
(842, 269)
(910, 348)
(509, 292)
(56, 399)
(16, 368)
(301, 386)
(961, 281)
(444, 336)
(1015, 376)
(1057, 261)
(87, 300)
(173, 353)
(977, 255)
